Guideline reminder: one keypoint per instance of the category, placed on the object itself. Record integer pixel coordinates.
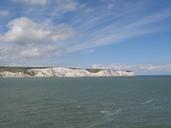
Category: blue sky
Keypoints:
(119, 34)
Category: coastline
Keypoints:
(60, 72)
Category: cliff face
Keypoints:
(66, 72)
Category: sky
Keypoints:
(118, 34)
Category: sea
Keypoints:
(118, 102)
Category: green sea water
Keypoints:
(126, 102)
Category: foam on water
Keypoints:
(78, 106)
(111, 113)
(148, 101)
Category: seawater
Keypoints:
(125, 102)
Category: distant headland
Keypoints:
(60, 72)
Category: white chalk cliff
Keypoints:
(66, 72)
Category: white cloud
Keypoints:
(4, 13)
(24, 30)
(155, 67)
(28, 39)
(64, 6)
(37, 51)
(14, 54)
(32, 2)
(67, 5)
(5, 52)
(137, 68)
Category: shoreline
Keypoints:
(61, 72)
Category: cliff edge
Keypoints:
(61, 72)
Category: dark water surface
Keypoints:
(128, 102)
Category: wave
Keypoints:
(98, 123)
(148, 101)
(78, 106)
(110, 113)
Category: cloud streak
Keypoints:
(32, 2)
(116, 32)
